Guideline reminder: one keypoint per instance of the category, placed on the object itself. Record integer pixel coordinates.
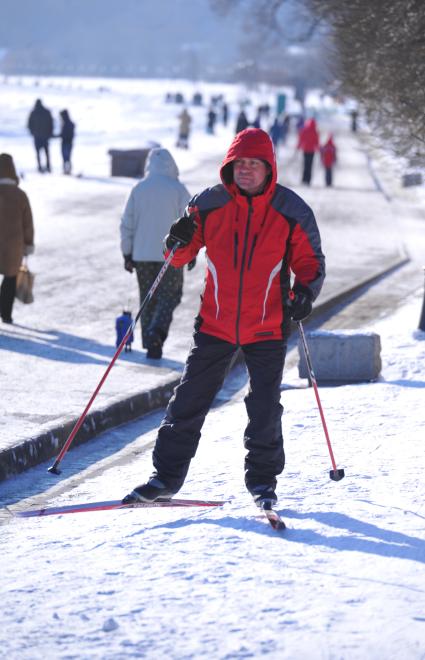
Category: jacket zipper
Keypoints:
(235, 250)
(244, 251)
(252, 250)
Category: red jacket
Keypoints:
(328, 153)
(252, 244)
(308, 139)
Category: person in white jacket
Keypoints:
(154, 203)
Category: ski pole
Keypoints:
(335, 474)
(54, 467)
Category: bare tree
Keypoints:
(381, 62)
(271, 28)
(376, 52)
(274, 20)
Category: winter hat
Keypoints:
(7, 168)
(250, 143)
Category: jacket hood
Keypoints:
(250, 143)
(7, 168)
(310, 125)
(160, 161)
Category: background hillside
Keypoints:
(153, 38)
(150, 38)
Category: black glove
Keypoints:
(299, 303)
(182, 231)
(128, 263)
(191, 265)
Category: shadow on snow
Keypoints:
(358, 536)
(64, 347)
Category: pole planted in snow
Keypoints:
(336, 474)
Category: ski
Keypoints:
(274, 518)
(113, 504)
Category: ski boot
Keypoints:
(264, 496)
(153, 490)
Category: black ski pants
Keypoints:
(206, 367)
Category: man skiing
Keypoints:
(256, 233)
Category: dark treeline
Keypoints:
(371, 51)
(380, 48)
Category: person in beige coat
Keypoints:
(16, 233)
(184, 129)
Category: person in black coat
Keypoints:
(242, 122)
(67, 135)
(40, 125)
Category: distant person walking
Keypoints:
(285, 128)
(225, 113)
(308, 143)
(275, 132)
(40, 125)
(328, 157)
(241, 122)
(211, 121)
(184, 129)
(153, 203)
(16, 233)
(354, 115)
(67, 135)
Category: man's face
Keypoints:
(250, 174)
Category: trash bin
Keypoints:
(411, 179)
(130, 162)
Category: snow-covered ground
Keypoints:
(347, 578)
(80, 285)
(58, 345)
(123, 114)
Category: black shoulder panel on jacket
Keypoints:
(211, 198)
(296, 210)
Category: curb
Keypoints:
(38, 449)
(358, 289)
(35, 450)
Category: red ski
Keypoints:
(113, 504)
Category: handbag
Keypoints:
(25, 284)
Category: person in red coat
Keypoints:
(257, 235)
(308, 143)
(328, 156)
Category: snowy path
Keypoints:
(346, 580)
(61, 344)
